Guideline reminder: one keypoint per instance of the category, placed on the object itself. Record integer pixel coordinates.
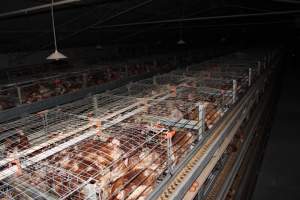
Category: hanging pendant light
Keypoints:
(56, 55)
(181, 41)
(99, 47)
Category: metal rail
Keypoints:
(175, 187)
(221, 195)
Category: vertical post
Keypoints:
(84, 77)
(95, 103)
(19, 94)
(154, 80)
(129, 85)
(201, 118)
(250, 77)
(258, 67)
(46, 122)
(223, 98)
(155, 63)
(169, 151)
(8, 76)
(170, 154)
(126, 70)
(257, 95)
(187, 69)
(234, 87)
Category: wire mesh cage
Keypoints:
(38, 132)
(138, 90)
(100, 106)
(165, 79)
(8, 98)
(125, 161)
(44, 89)
(206, 74)
(174, 113)
(39, 181)
(117, 145)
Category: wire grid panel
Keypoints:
(138, 90)
(190, 94)
(40, 181)
(174, 109)
(108, 106)
(165, 79)
(183, 111)
(182, 108)
(79, 107)
(8, 98)
(221, 84)
(99, 106)
(226, 86)
(37, 132)
(215, 101)
(204, 74)
(225, 67)
(125, 160)
(44, 89)
(103, 157)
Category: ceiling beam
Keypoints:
(261, 14)
(35, 8)
(288, 1)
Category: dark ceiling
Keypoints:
(92, 22)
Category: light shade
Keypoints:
(56, 55)
(180, 42)
(99, 46)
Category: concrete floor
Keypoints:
(279, 177)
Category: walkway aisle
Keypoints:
(279, 177)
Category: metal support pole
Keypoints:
(84, 77)
(170, 154)
(45, 119)
(129, 86)
(126, 70)
(250, 77)
(187, 69)
(234, 87)
(201, 116)
(258, 67)
(257, 95)
(95, 103)
(8, 76)
(155, 63)
(154, 80)
(19, 95)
